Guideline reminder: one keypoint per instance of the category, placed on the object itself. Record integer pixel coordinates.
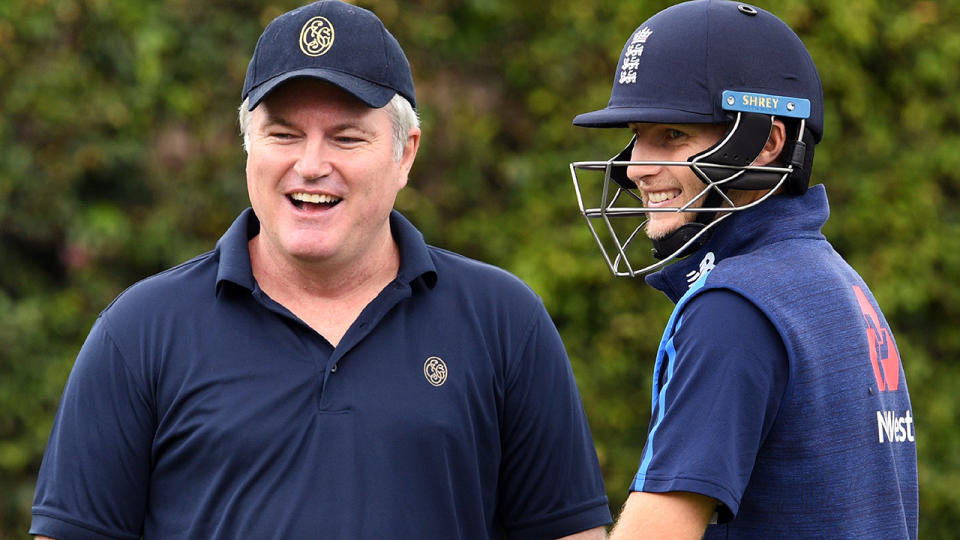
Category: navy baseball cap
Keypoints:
(676, 66)
(330, 40)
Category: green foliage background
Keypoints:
(119, 157)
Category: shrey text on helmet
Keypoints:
(765, 102)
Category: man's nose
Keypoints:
(314, 161)
(641, 172)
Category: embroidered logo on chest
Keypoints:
(706, 265)
(435, 370)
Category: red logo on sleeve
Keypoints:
(883, 351)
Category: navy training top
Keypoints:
(200, 408)
(778, 386)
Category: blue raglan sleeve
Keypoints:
(95, 473)
(551, 480)
(723, 373)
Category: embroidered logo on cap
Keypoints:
(435, 371)
(316, 36)
(631, 58)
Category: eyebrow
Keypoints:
(275, 119)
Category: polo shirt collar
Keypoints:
(415, 259)
(234, 251)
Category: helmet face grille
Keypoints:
(616, 214)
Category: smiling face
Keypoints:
(322, 176)
(669, 186)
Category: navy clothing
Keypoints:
(200, 408)
(779, 389)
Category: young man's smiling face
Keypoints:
(322, 175)
(673, 186)
(669, 186)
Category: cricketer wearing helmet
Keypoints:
(779, 404)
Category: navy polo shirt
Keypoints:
(200, 408)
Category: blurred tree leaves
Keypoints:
(119, 157)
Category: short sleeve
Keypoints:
(551, 480)
(720, 387)
(95, 473)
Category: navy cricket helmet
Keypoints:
(707, 62)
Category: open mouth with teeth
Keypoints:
(662, 196)
(313, 200)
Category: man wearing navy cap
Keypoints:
(779, 405)
(323, 373)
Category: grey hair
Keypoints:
(403, 118)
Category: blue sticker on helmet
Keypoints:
(766, 104)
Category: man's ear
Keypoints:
(771, 150)
(409, 154)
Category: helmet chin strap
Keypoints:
(674, 242)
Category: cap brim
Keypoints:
(613, 117)
(372, 94)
